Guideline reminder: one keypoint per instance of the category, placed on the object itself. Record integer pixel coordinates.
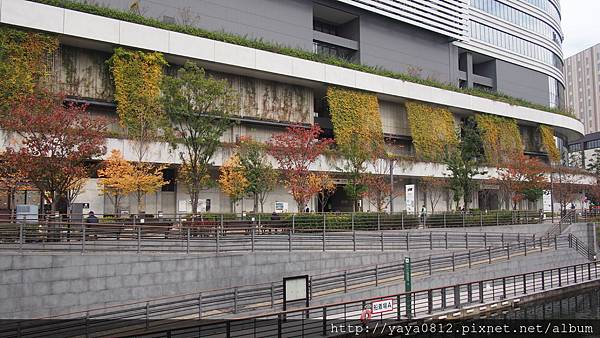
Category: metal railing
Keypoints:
(221, 303)
(187, 238)
(316, 320)
(310, 221)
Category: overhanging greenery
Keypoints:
(303, 54)
(433, 130)
(502, 138)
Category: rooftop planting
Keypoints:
(280, 49)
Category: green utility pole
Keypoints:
(408, 286)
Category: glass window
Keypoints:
(517, 17)
(493, 36)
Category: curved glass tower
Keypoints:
(523, 32)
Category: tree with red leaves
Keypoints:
(54, 143)
(295, 151)
(521, 178)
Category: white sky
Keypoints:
(580, 24)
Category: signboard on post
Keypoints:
(382, 306)
(410, 198)
(295, 289)
(408, 286)
(547, 200)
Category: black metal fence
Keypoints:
(228, 237)
(236, 232)
(317, 321)
(221, 303)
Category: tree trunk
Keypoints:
(194, 195)
(117, 206)
(255, 207)
(140, 201)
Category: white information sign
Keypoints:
(382, 306)
(410, 198)
(547, 200)
(295, 288)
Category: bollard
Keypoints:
(469, 259)
(21, 236)
(402, 221)
(235, 298)
(446, 240)
(481, 219)
(252, 231)
(83, 238)
(187, 250)
(139, 237)
(429, 264)
(430, 240)
(217, 244)
(345, 281)
(324, 225)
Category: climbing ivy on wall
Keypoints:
(501, 138)
(432, 129)
(548, 144)
(137, 78)
(24, 61)
(356, 120)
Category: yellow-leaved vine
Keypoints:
(548, 143)
(433, 130)
(137, 77)
(501, 138)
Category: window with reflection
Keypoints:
(517, 17)
(510, 42)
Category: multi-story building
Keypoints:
(582, 74)
(511, 47)
(582, 151)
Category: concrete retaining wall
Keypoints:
(34, 285)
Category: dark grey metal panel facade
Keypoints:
(397, 46)
(382, 42)
(287, 22)
(522, 82)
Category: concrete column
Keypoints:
(469, 70)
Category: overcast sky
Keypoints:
(581, 25)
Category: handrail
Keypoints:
(425, 303)
(353, 277)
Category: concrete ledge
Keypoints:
(77, 24)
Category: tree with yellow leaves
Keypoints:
(324, 185)
(232, 179)
(12, 180)
(147, 178)
(114, 178)
(119, 178)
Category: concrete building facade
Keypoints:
(512, 47)
(582, 73)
